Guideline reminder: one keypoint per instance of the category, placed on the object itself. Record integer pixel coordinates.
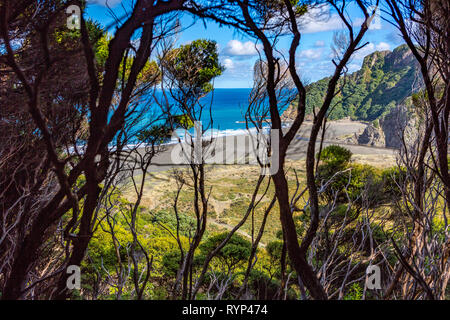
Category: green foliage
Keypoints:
(102, 250)
(271, 262)
(363, 178)
(162, 133)
(263, 287)
(157, 134)
(300, 9)
(182, 121)
(102, 50)
(194, 65)
(237, 249)
(154, 235)
(150, 73)
(392, 179)
(171, 263)
(333, 160)
(274, 249)
(97, 36)
(376, 123)
(355, 292)
(186, 223)
(335, 156)
(356, 180)
(95, 31)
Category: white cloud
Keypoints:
(311, 72)
(352, 67)
(228, 63)
(242, 49)
(376, 21)
(383, 46)
(374, 25)
(394, 37)
(319, 19)
(370, 48)
(319, 44)
(237, 69)
(311, 54)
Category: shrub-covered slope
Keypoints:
(385, 80)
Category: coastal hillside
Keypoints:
(385, 80)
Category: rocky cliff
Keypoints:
(388, 132)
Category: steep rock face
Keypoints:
(372, 136)
(400, 58)
(393, 125)
(389, 134)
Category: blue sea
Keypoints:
(228, 109)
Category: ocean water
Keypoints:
(228, 107)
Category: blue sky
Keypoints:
(238, 53)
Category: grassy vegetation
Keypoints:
(230, 196)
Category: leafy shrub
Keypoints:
(392, 179)
(169, 219)
(263, 287)
(359, 182)
(171, 263)
(272, 260)
(355, 292)
(335, 156)
(194, 65)
(182, 121)
(274, 249)
(376, 123)
(233, 253)
(333, 159)
(156, 134)
(363, 178)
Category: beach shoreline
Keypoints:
(238, 148)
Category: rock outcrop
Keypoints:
(372, 136)
(393, 125)
(389, 133)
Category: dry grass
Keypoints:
(231, 189)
